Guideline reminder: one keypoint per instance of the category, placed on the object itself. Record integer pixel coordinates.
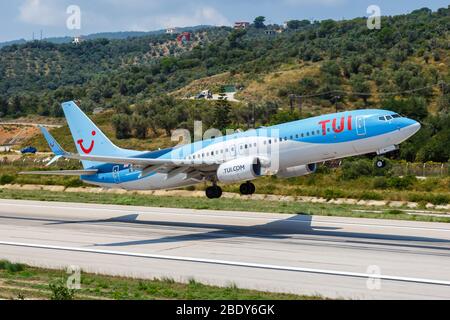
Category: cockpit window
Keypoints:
(382, 119)
(388, 118)
(396, 116)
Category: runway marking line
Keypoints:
(316, 221)
(230, 263)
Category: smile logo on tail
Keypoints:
(83, 148)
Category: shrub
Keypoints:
(440, 199)
(73, 183)
(369, 195)
(6, 179)
(355, 169)
(60, 291)
(379, 183)
(401, 183)
(333, 194)
(11, 267)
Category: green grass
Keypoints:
(326, 183)
(341, 210)
(36, 283)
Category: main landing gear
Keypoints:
(214, 192)
(247, 188)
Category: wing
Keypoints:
(145, 162)
(63, 172)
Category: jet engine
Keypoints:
(242, 169)
(297, 171)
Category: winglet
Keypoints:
(53, 144)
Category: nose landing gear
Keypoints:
(247, 188)
(380, 163)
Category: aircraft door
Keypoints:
(361, 126)
(116, 174)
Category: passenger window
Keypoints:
(296, 136)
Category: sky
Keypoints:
(20, 18)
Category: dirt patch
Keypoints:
(16, 134)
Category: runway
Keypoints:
(331, 256)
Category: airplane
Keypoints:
(286, 150)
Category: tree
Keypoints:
(360, 86)
(221, 115)
(3, 106)
(331, 68)
(259, 22)
(436, 148)
(415, 107)
(235, 36)
(122, 126)
(297, 24)
(123, 88)
(140, 126)
(15, 106)
(164, 113)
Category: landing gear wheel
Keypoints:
(214, 192)
(247, 188)
(380, 163)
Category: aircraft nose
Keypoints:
(415, 126)
(412, 126)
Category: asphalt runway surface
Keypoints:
(331, 256)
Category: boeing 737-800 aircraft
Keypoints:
(286, 150)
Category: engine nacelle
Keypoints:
(242, 169)
(297, 171)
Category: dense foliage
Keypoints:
(402, 67)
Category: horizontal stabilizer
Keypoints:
(63, 172)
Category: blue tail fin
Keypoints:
(89, 139)
(52, 143)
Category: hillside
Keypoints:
(104, 35)
(403, 67)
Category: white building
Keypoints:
(171, 30)
(77, 40)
